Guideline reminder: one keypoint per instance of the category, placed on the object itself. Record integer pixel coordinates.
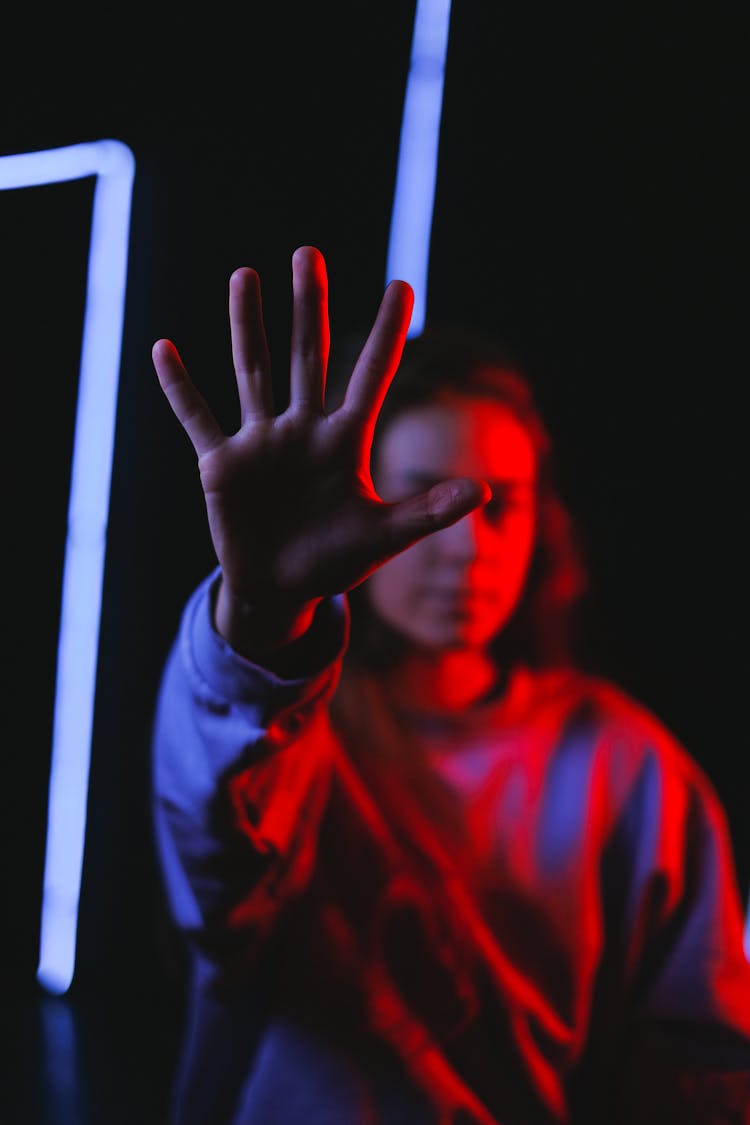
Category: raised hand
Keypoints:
(292, 510)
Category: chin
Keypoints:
(472, 631)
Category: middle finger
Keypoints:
(310, 329)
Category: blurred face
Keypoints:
(457, 588)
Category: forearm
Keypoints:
(240, 758)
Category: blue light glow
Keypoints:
(113, 165)
(416, 173)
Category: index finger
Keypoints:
(381, 354)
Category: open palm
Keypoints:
(292, 510)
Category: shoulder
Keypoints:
(623, 739)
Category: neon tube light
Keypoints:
(416, 174)
(113, 165)
(416, 170)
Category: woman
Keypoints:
(428, 870)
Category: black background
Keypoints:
(591, 208)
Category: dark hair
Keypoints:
(459, 360)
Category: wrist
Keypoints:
(263, 631)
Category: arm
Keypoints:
(689, 1053)
(240, 773)
(295, 523)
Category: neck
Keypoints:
(442, 682)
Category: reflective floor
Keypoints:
(94, 1060)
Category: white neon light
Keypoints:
(416, 170)
(113, 165)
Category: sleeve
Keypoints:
(241, 767)
(688, 1053)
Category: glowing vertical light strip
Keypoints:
(416, 172)
(113, 165)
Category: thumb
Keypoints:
(438, 507)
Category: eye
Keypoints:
(495, 508)
(505, 499)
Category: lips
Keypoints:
(461, 599)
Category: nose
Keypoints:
(461, 540)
